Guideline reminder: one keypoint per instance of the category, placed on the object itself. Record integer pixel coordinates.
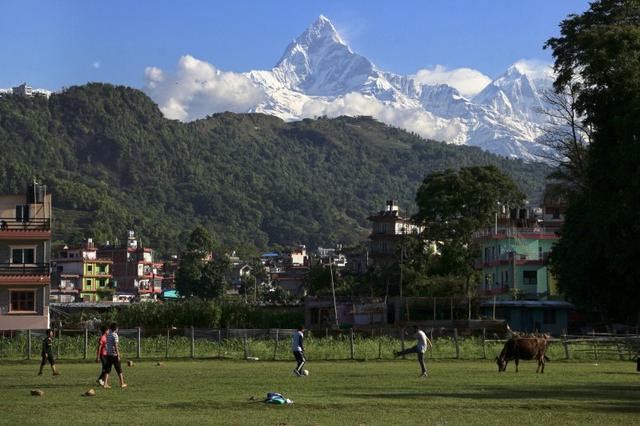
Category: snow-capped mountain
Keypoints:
(319, 74)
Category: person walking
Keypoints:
(101, 353)
(297, 345)
(113, 357)
(47, 353)
(423, 343)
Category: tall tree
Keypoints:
(596, 257)
(201, 273)
(454, 204)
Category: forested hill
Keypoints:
(113, 162)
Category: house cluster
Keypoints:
(110, 272)
(516, 280)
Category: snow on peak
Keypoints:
(319, 62)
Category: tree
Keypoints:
(455, 204)
(568, 136)
(201, 273)
(596, 258)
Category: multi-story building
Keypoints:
(81, 275)
(515, 251)
(389, 227)
(134, 269)
(25, 250)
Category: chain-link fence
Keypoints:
(320, 344)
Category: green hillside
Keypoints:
(113, 162)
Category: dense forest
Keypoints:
(113, 162)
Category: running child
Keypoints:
(47, 353)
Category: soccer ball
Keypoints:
(305, 372)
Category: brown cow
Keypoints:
(527, 348)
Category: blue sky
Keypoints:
(52, 44)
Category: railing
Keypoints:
(515, 232)
(24, 269)
(320, 344)
(11, 224)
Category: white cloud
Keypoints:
(96, 64)
(535, 69)
(198, 89)
(466, 80)
(416, 120)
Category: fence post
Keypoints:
(29, 344)
(59, 342)
(275, 348)
(565, 343)
(244, 341)
(402, 342)
(138, 343)
(455, 340)
(352, 344)
(484, 348)
(166, 344)
(219, 343)
(193, 342)
(431, 346)
(595, 346)
(86, 343)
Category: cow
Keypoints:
(527, 348)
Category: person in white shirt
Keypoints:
(423, 343)
(297, 345)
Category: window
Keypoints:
(22, 213)
(89, 283)
(90, 268)
(23, 255)
(549, 316)
(529, 277)
(23, 300)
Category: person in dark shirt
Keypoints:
(47, 353)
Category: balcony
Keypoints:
(13, 269)
(37, 228)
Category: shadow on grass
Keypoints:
(612, 398)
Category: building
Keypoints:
(80, 275)
(357, 311)
(549, 316)
(134, 269)
(389, 227)
(23, 90)
(25, 250)
(296, 256)
(515, 251)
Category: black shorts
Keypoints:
(113, 361)
(299, 357)
(103, 361)
(48, 356)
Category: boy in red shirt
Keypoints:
(101, 353)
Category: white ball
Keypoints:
(305, 372)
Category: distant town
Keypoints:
(35, 276)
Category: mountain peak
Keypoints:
(319, 62)
(321, 29)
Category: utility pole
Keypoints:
(333, 291)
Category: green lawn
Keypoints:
(352, 393)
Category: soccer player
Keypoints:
(419, 348)
(297, 344)
(101, 353)
(113, 356)
(47, 353)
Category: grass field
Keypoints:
(343, 392)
